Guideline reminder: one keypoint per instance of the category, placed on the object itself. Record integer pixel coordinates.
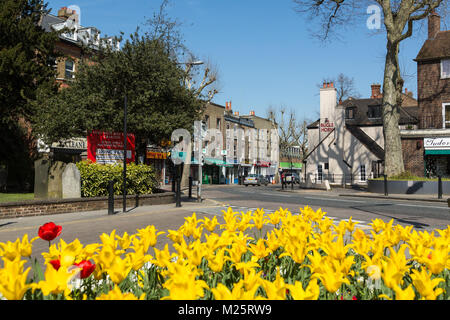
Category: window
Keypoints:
(326, 166)
(374, 112)
(218, 123)
(362, 172)
(350, 113)
(70, 69)
(446, 115)
(319, 172)
(445, 69)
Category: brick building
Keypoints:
(427, 150)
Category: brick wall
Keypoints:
(45, 207)
(432, 93)
(413, 155)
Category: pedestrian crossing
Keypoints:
(218, 211)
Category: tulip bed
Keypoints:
(252, 255)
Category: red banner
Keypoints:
(107, 147)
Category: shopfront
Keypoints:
(437, 156)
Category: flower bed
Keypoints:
(301, 256)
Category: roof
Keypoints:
(366, 141)
(408, 112)
(48, 20)
(437, 48)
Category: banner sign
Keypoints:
(156, 155)
(107, 147)
(436, 143)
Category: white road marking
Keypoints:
(415, 205)
(311, 198)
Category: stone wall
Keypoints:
(56, 206)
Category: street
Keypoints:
(88, 226)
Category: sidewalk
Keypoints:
(364, 194)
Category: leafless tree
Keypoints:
(292, 131)
(399, 17)
(344, 85)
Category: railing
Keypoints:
(337, 178)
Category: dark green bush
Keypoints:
(141, 179)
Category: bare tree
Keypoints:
(344, 85)
(291, 130)
(399, 17)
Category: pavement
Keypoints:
(349, 192)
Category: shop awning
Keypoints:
(287, 165)
(437, 152)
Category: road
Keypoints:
(422, 215)
(88, 226)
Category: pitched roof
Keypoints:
(367, 141)
(437, 48)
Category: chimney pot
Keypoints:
(376, 91)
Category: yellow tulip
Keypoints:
(425, 285)
(56, 281)
(13, 280)
(119, 269)
(394, 267)
(221, 292)
(311, 292)
(116, 294)
(258, 218)
(109, 240)
(25, 246)
(182, 283)
(149, 235)
(275, 290)
(175, 235)
(259, 250)
(252, 280)
(10, 250)
(125, 241)
(246, 266)
(210, 224)
(216, 260)
(163, 257)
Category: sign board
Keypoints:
(326, 126)
(156, 155)
(107, 147)
(436, 143)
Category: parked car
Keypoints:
(255, 180)
(291, 177)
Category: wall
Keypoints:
(56, 206)
(413, 157)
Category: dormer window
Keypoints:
(350, 112)
(374, 112)
(445, 69)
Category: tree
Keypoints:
(143, 70)
(399, 17)
(291, 130)
(25, 49)
(344, 85)
(24, 55)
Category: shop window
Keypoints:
(446, 115)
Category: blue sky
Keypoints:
(263, 49)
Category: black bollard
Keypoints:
(190, 187)
(111, 197)
(439, 187)
(385, 185)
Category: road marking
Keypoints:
(414, 205)
(281, 195)
(311, 198)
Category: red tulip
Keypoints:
(49, 231)
(55, 263)
(87, 268)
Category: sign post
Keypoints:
(125, 155)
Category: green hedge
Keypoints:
(141, 179)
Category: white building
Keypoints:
(346, 145)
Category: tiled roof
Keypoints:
(436, 48)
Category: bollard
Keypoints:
(439, 187)
(178, 189)
(111, 197)
(190, 187)
(385, 185)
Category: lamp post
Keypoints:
(125, 155)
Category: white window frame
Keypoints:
(445, 104)
(67, 70)
(361, 166)
(319, 173)
(445, 76)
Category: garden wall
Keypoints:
(408, 187)
(55, 206)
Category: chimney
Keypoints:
(228, 105)
(408, 93)
(252, 113)
(376, 91)
(434, 25)
(236, 113)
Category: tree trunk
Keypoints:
(392, 88)
(186, 168)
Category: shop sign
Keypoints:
(73, 143)
(437, 143)
(326, 126)
(261, 163)
(156, 155)
(107, 147)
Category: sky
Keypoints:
(263, 49)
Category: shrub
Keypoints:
(95, 177)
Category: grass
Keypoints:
(11, 197)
